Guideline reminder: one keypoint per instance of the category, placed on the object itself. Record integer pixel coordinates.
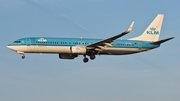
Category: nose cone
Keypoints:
(10, 47)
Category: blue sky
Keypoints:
(145, 76)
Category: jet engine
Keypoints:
(78, 50)
(67, 56)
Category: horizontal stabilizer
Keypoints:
(162, 41)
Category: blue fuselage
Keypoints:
(119, 47)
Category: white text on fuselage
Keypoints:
(42, 40)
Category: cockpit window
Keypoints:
(17, 41)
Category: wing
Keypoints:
(108, 42)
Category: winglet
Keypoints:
(108, 41)
(130, 27)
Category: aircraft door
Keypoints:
(28, 42)
(140, 45)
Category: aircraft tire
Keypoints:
(23, 57)
(92, 57)
(85, 60)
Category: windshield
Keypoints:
(18, 41)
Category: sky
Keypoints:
(147, 76)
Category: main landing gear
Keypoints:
(92, 57)
(85, 59)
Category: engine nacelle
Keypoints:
(78, 50)
(67, 56)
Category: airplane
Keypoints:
(70, 48)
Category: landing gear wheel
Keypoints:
(92, 57)
(23, 57)
(85, 60)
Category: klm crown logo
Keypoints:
(153, 31)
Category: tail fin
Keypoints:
(153, 30)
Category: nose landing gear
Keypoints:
(22, 53)
(23, 57)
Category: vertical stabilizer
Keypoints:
(152, 32)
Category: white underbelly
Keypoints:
(42, 49)
(66, 49)
(50, 49)
(121, 51)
